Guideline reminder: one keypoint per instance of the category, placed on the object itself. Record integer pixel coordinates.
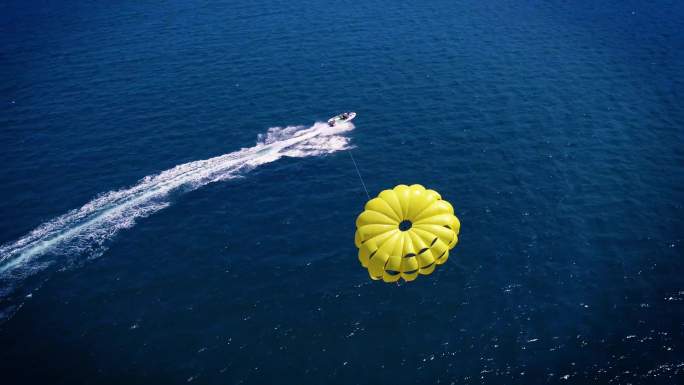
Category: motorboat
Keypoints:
(341, 118)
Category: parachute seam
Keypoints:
(426, 207)
(399, 214)
(375, 211)
(398, 218)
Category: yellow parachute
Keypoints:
(404, 232)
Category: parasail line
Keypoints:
(359, 174)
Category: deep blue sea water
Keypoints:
(556, 130)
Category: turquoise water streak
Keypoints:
(146, 238)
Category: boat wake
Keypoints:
(83, 233)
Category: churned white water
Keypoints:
(84, 232)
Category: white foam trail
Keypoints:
(83, 232)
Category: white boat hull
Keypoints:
(342, 118)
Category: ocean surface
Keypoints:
(174, 210)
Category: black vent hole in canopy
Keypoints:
(405, 225)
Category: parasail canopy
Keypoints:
(405, 231)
